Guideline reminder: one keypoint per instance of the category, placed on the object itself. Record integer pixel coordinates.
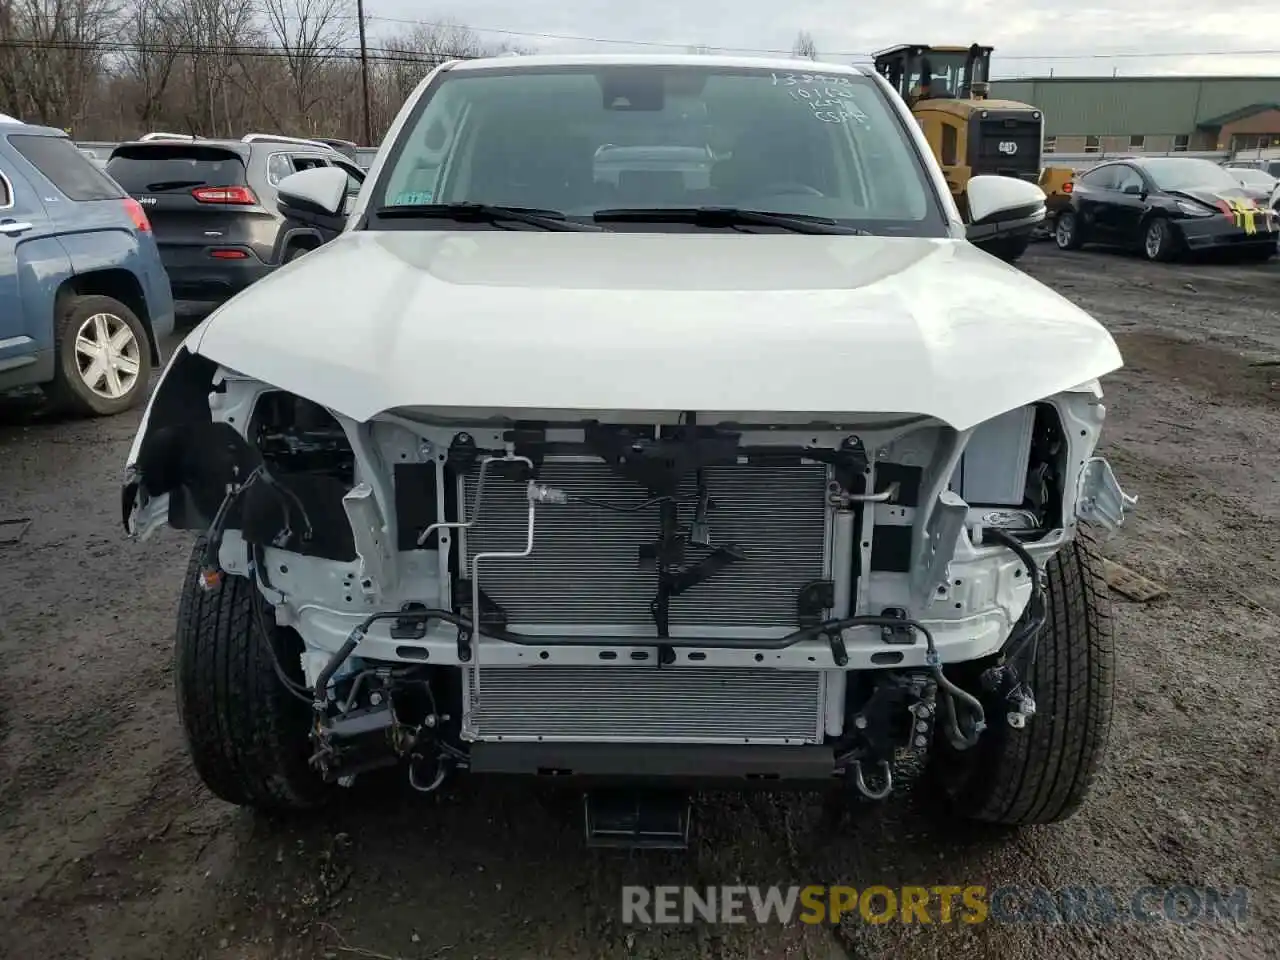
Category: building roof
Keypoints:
(1232, 115)
(1123, 106)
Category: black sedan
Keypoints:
(1165, 206)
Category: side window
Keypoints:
(301, 163)
(66, 167)
(1101, 178)
(279, 166)
(1128, 180)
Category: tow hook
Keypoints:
(1024, 708)
(886, 774)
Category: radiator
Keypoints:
(585, 570)
(630, 703)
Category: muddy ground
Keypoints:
(110, 848)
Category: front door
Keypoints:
(1128, 206)
(21, 217)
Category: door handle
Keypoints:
(12, 228)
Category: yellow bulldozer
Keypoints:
(946, 89)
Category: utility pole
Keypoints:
(364, 77)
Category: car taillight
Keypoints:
(137, 215)
(1066, 187)
(241, 196)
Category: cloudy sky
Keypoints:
(1031, 37)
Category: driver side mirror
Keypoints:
(1002, 206)
(1134, 189)
(316, 196)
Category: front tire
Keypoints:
(1066, 231)
(1160, 241)
(103, 357)
(247, 735)
(1043, 772)
(1008, 249)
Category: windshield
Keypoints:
(1249, 175)
(154, 168)
(1189, 174)
(580, 140)
(946, 73)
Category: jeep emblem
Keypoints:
(147, 201)
(1008, 148)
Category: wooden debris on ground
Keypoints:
(1130, 584)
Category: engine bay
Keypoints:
(467, 591)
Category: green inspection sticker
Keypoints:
(412, 198)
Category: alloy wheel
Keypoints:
(1155, 238)
(108, 356)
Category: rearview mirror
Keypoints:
(1002, 206)
(320, 192)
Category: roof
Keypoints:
(1239, 114)
(5, 118)
(34, 130)
(1154, 78)
(935, 47)
(238, 147)
(542, 61)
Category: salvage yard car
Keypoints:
(774, 479)
(84, 300)
(1166, 207)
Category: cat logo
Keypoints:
(1007, 147)
(1243, 213)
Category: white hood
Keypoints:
(777, 323)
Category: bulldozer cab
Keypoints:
(920, 72)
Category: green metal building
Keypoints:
(1151, 114)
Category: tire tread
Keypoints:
(1042, 773)
(247, 735)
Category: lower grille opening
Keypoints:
(646, 704)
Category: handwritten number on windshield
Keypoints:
(792, 79)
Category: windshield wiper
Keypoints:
(469, 212)
(728, 217)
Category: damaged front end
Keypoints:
(667, 595)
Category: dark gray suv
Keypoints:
(212, 205)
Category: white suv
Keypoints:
(667, 477)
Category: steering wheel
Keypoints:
(785, 187)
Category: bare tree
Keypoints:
(52, 55)
(153, 33)
(310, 33)
(804, 47)
(105, 68)
(213, 31)
(412, 55)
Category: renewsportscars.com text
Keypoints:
(971, 904)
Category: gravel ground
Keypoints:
(109, 848)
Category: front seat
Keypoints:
(764, 157)
(544, 170)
